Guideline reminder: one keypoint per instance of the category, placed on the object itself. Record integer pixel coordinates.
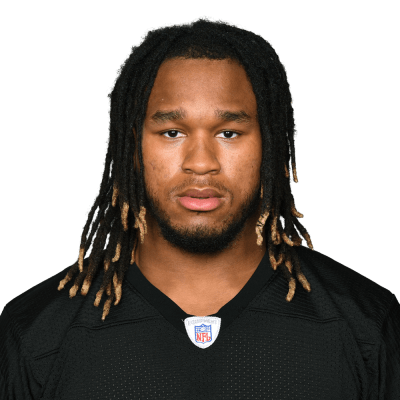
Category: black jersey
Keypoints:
(340, 341)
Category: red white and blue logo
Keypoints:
(202, 331)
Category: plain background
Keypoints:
(60, 61)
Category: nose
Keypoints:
(201, 157)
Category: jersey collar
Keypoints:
(228, 313)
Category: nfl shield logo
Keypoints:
(203, 333)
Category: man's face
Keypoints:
(201, 153)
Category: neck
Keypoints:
(185, 277)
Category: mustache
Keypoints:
(199, 183)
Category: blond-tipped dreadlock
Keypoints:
(121, 199)
(285, 253)
(113, 286)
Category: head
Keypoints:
(202, 106)
(202, 153)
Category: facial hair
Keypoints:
(203, 239)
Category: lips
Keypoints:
(195, 204)
(200, 193)
(200, 199)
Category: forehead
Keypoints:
(200, 84)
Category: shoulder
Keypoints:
(338, 295)
(339, 278)
(39, 317)
(353, 296)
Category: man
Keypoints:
(201, 284)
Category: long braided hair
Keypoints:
(120, 204)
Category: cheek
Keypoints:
(156, 172)
(249, 176)
(254, 162)
(243, 170)
(158, 167)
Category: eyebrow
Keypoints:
(232, 116)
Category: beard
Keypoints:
(202, 239)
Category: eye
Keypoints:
(231, 132)
(172, 130)
(175, 132)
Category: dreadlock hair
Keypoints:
(121, 199)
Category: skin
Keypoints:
(201, 156)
